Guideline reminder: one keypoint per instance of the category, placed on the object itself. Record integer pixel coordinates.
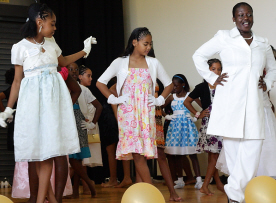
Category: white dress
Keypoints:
(267, 164)
(88, 110)
(45, 124)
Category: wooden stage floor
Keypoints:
(114, 195)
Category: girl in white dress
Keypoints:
(44, 124)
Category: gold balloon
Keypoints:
(142, 193)
(4, 199)
(261, 189)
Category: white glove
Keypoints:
(87, 45)
(9, 120)
(118, 100)
(7, 114)
(94, 41)
(170, 117)
(152, 101)
(194, 119)
(89, 126)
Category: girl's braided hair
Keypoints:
(36, 10)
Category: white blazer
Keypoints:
(119, 67)
(237, 110)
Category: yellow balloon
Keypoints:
(142, 193)
(261, 189)
(4, 199)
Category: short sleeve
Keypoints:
(88, 96)
(55, 45)
(17, 55)
(195, 93)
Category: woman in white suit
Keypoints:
(237, 112)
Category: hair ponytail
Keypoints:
(29, 29)
(36, 10)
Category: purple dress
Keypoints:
(206, 142)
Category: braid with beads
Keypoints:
(83, 69)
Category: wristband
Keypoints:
(197, 115)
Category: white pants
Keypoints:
(242, 158)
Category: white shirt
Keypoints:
(237, 110)
(119, 67)
(84, 99)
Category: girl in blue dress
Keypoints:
(182, 135)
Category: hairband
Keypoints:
(176, 76)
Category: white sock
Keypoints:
(180, 179)
(198, 179)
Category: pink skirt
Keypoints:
(20, 187)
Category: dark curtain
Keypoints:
(79, 19)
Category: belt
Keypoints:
(178, 112)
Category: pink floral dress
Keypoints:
(136, 119)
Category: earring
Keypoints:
(234, 23)
(40, 29)
(184, 86)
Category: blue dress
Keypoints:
(182, 135)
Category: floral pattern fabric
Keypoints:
(136, 120)
(206, 142)
(158, 119)
(159, 128)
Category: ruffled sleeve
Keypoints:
(55, 45)
(17, 55)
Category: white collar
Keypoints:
(235, 33)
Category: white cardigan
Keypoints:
(119, 67)
(237, 110)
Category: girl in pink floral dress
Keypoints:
(136, 78)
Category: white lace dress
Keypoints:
(45, 124)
